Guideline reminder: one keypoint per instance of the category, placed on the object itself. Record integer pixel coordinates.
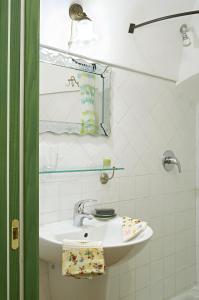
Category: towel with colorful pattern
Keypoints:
(132, 228)
(82, 259)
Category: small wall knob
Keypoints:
(169, 160)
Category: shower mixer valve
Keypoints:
(169, 160)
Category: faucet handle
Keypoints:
(79, 206)
(178, 164)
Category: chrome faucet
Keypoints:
(169, 160)
(79, 214)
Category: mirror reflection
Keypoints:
(74, 95)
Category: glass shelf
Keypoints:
(91, 169)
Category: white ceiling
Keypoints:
(156, 48)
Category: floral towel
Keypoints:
(82, 259)
(131, 228)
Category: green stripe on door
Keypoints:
(31, 152)
(3, 146)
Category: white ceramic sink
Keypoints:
(109, 232)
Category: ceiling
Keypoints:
(156, 48)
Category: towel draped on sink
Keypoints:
(132, 228)
(82, 259)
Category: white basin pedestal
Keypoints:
(109, 232)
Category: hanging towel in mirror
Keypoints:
(82, 259)
(87, 94)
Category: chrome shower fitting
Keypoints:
(169, 160)
(185, 38)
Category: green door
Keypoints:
(9, 149)
(31, 151)
(3, 146)
(19, 98)
(14, 148)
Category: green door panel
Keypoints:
(31, 152)
(14, 140)
(3, 146)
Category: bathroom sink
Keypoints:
(109, 232)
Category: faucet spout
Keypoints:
(78, 221)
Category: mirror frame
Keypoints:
(61, 58)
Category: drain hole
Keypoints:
(86, 235)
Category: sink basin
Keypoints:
(109, 232)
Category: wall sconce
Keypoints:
(186, 41)
(82, 31)
(76, 13)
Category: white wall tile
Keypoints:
(112, 289)
(143, 294)
(142, 277)
(141, 186)
(181, 260)
(181, 281)
(130, 297)
(143, 127)
(169, 224)
(157, 224)
(169, 245)
(157, 291)
(127, 208)
(127, 283)
(169, 287)
(156, 271)
(157, 250)
(169, 265)
(44, 291)
(127, 188)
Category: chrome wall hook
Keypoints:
(104, 178)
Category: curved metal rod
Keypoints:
(104, 178)
(113, 174)
(133, 26)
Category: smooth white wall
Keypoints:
(189, 62)
(155, 49)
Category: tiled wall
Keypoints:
(44, 290)
(148, 116)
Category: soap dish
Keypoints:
(104, 211)
(105, 217)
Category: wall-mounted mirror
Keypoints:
(74, 94)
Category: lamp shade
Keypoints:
(82, 33)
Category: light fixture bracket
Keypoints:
(76, 13)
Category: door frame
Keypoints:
(3, 148)
(19, 185)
